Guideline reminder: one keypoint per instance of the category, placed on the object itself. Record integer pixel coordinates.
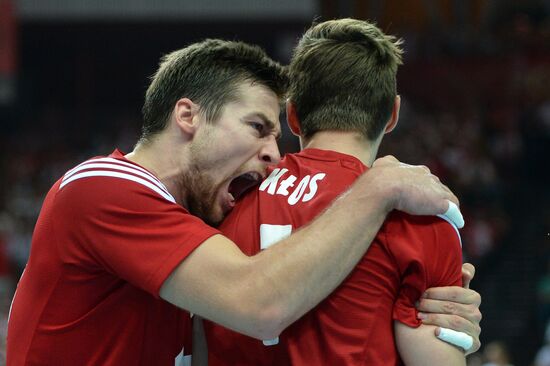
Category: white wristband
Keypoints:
(459, 339)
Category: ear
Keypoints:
(292, 118)
(394, 115)
(186, 115)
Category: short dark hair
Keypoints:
(343, 77)
(209, 73)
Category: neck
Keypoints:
(350, 143)
(161, 158)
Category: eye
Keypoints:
(258, 126)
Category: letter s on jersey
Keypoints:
(313, 186)
(299, 193)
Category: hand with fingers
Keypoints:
(410, 188)
(455, 312)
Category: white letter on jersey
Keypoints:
(313, 186)
(288, 182)
(299, 191)
(272, 180)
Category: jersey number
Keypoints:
(269, 235)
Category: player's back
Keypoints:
(354, 325)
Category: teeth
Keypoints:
(232, 198)
(253, 175)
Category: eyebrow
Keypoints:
(269, 123)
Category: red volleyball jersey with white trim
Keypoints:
(354, 325)
(108, 235)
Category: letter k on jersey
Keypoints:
(274, 185)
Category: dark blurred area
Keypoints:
(476, 110)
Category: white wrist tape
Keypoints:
(454, 215)
(459, 339)
(271, 342)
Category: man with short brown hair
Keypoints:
(342, 101)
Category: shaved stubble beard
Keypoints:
(201, 194)
(200, 189)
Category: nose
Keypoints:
(270, 151)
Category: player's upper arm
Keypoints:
(220, 283)
(427, 253)
(418, 346)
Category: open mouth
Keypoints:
(243, 183)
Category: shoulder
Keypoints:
(426, 228)
(114, 181)
(423, 238)
(104, 193)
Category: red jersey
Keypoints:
(107, 237)
(354, 325)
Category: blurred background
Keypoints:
(476, 110)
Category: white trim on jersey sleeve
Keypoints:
(119, 164)
(134, 166)
(107, 173)
(96, 166)
(131, 172)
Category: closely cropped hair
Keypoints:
(342, 77)
(208, 73)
